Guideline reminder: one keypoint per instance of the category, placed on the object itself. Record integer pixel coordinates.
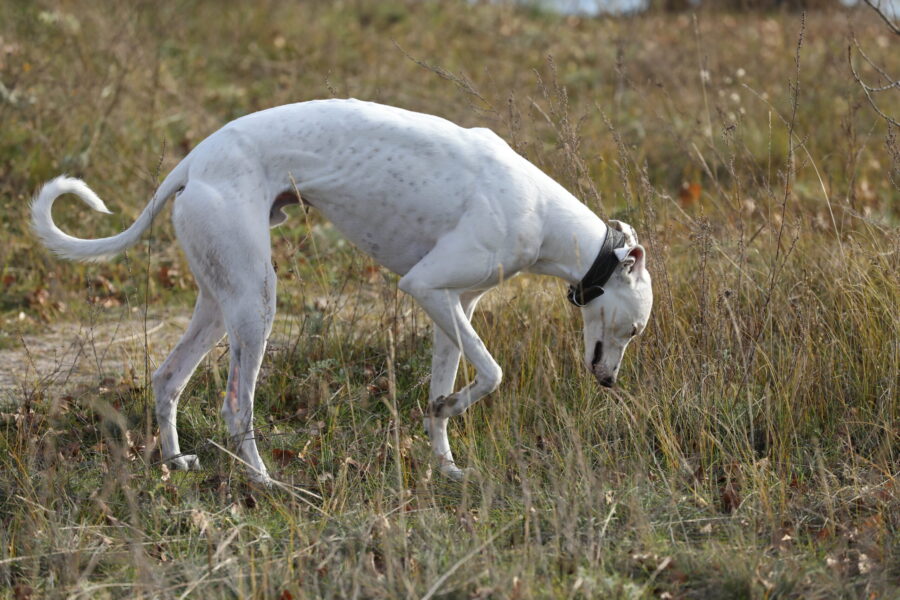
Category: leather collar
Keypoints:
(591, 286)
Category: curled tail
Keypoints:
(74, 248)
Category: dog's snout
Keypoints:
(602, 375)
(598, 354)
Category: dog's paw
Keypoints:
(444, 407)
(261, 480)
(449, 469)
(185, 462)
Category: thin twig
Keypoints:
(460, 80)
(288, 488)
(867, 89)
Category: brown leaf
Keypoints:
(516, 590)
(689, 194)
(200, 520)
(158, 551)
(22, 591)
(381, 384)
(37, 298)
(103, 283)
(168, 277)
(730, 499)
(71, 450)
(372, 274)
(283, 456)
(107, 302)
(782, 538)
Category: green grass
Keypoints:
(751, 450)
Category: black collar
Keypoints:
(606, 262)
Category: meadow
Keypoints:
(751, 449)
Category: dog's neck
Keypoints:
(573, 236)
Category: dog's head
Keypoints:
(612, 319)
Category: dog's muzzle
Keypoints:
(597, 370)
(606, 381)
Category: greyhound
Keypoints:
(452, 211)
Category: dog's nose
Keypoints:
(607, 381)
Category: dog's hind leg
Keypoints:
(249, 317)
(205, 329)
(225, 235)
(444, 365)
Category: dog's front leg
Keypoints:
(439, 283)
(445, 309)
(444, 365)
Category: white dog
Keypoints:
(453, 211)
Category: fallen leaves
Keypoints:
(730, 499)
(689, 194)
(170, 277)
(39, 301)
(22, 591)
(103, 292)
(850, 563)
(201, 520)
(283, 456)
(37, 297)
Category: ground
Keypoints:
(750, 450)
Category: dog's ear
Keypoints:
(631, 259)
(631, 238)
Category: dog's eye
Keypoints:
(598, 353)
(634, 331)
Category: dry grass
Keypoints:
(751, 451)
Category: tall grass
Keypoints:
(751, 450)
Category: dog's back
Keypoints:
(391, 180)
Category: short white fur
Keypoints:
(453, 211)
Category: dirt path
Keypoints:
(70, 354)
